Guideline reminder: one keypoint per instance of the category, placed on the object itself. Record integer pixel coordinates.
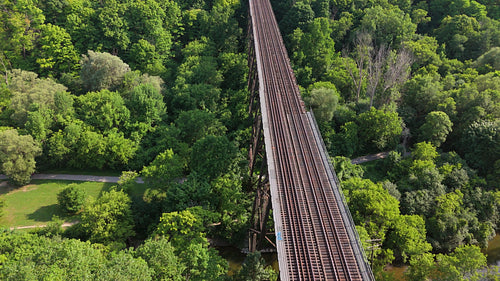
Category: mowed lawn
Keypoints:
(36, 203)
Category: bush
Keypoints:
(71, 199)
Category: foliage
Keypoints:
(253, 268)
(436, 128)
(323, 103)
(464, 263)
(108, 219)
(408, 238)
(30, 93)
(102, 71)
(17, 156)
(164, 170)
(184, 231)
(212, 156)
(32, 257)
(111, 110)
(72, 198)
(159, 254)
(379, 129)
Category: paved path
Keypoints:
(74, 178)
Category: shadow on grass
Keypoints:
(46, 213)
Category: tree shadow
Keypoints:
(46, 213)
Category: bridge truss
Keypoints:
(314, 234)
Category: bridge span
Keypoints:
(315, 236)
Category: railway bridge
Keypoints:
(313, 232)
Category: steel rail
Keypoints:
(317, 244)
(281, 140)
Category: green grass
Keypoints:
(36, 203)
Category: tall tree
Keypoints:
(379, 129)
(108, 219)
(436, 128)
(102, 71)
(17, 156)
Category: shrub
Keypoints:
(72, 198)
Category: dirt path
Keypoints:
(74, 178)
(66, 224)
(366, 158)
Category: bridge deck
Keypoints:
(315, 238)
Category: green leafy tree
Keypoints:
(408, 238)
(390, 26)
(345, 169)
(103, 110)
(160, 256)
(108, 219)
(298, 16)
(423, 93)
(222, 26)
(80, 24)
(465, 263)
(459, 32)
(436, 128)
(56, 53)
(212, 156)
(313, 47)
(449, 228)
(194, 191)
(164, 170)
(489, 60)
(253, 269)
(123, 266)
(480, 144)
(113, 26)
(30, 93)
(379, 129)
(196, 124)
(71, 198)
(346, 140)
(102, 71)
(424, 151)
(19, 28)
(184, 231)
(17, 156)
(323, 102)
(146, 104)
(371, 206)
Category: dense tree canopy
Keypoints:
(160, 87)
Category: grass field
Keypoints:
(36, 203)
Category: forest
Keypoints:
(158, 89)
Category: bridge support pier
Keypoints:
(262, 203)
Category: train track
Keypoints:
(316, 243)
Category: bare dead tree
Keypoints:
(378, 58)
(398, 71)
(363, 48)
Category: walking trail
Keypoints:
(66, 224)
(367, 158)
(74, 178)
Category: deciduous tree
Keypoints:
(102, 71)
(108, 219)
(17, 156)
